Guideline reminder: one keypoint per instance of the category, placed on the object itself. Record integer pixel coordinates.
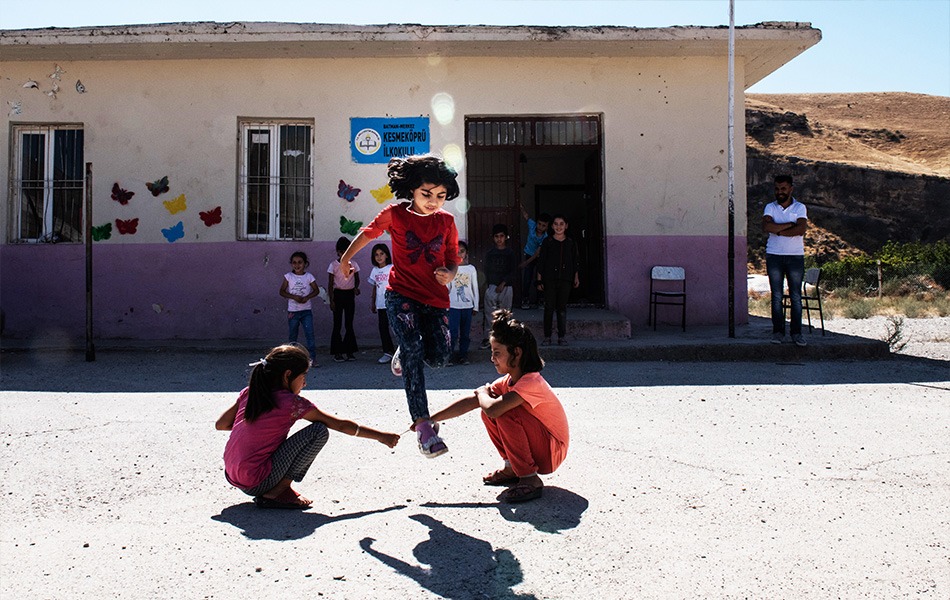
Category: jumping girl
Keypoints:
(425, 259)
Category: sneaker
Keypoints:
(463, 361)
(396, 365)
(430, 444)
(777, 337)
(561, 342)
(799, 340)
(385, 358)
(525, 306)
(546, 342)
(338, 358)
(350, 357)
(485, 344)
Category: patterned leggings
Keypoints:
(293, 457)
(422, 333)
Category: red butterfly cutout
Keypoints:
(127, 227)
(212, 217)
(120, 195)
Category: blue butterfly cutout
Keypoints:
(347, 192)
(416, 247)
(175, 232)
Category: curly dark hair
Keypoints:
(512, 333)
(408, 174)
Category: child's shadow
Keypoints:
(258, 524)
(459, 565)
(558, 509)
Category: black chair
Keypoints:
(667, 296)
(811, 298)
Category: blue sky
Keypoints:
(867, 45)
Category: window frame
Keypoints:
(275, 182)
(49, 184)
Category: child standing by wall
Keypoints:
(463, 302)
(425, 258)
(523, 416)
(259, 458)
(299, 287)
(500, 266)
(537, 231)
(558, 267)
(343, 288)
(379, 279)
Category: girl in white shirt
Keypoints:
(463, 303)
(379, 279)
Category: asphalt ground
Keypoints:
(804, 478)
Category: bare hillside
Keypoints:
(890, 131)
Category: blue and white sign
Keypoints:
(378, 139)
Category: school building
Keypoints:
(215, 150)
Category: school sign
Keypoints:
(376, 140)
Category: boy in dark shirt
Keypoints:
(500, 266)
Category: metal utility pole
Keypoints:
(731, 170)
(90, 347)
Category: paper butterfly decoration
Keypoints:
(159, 186)
(175, 232)
(175, 206)
(211, 217)
(383, 194)
(349, 227)
(102, 232)
(120, 195)
(347, 192)
(127, 227)
(416, 247)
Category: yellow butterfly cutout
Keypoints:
(175, 206)
(383, 194)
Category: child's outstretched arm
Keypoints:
(456, 409)
(226, 421)
(495, 405)
(352, 428)
(358, 243)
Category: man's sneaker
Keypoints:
(799, 340)
(385, 358)
(339, 358)
(777, 337)
(485, 344)
(396, 365)
(525, 306)
(430, 444)
(350, 357)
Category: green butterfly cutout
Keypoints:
(349, 227)
(102, 232)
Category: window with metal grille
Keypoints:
(276, 179)
(48, 182)
(579, 130)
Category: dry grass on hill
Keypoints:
(892, 131)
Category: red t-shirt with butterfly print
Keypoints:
(420, 245)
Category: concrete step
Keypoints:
(582, 323)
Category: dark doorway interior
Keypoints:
(545, 164)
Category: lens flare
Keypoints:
(443, 108)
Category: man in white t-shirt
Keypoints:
(785, 220)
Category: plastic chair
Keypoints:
(666, 296)
(811, 299)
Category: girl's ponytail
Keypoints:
(267, 377)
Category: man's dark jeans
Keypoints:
(781, 267)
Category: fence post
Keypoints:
(880, 280)
(90, 347)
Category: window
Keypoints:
(48, 182)
(276, 180)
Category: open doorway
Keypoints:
(549, 164)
